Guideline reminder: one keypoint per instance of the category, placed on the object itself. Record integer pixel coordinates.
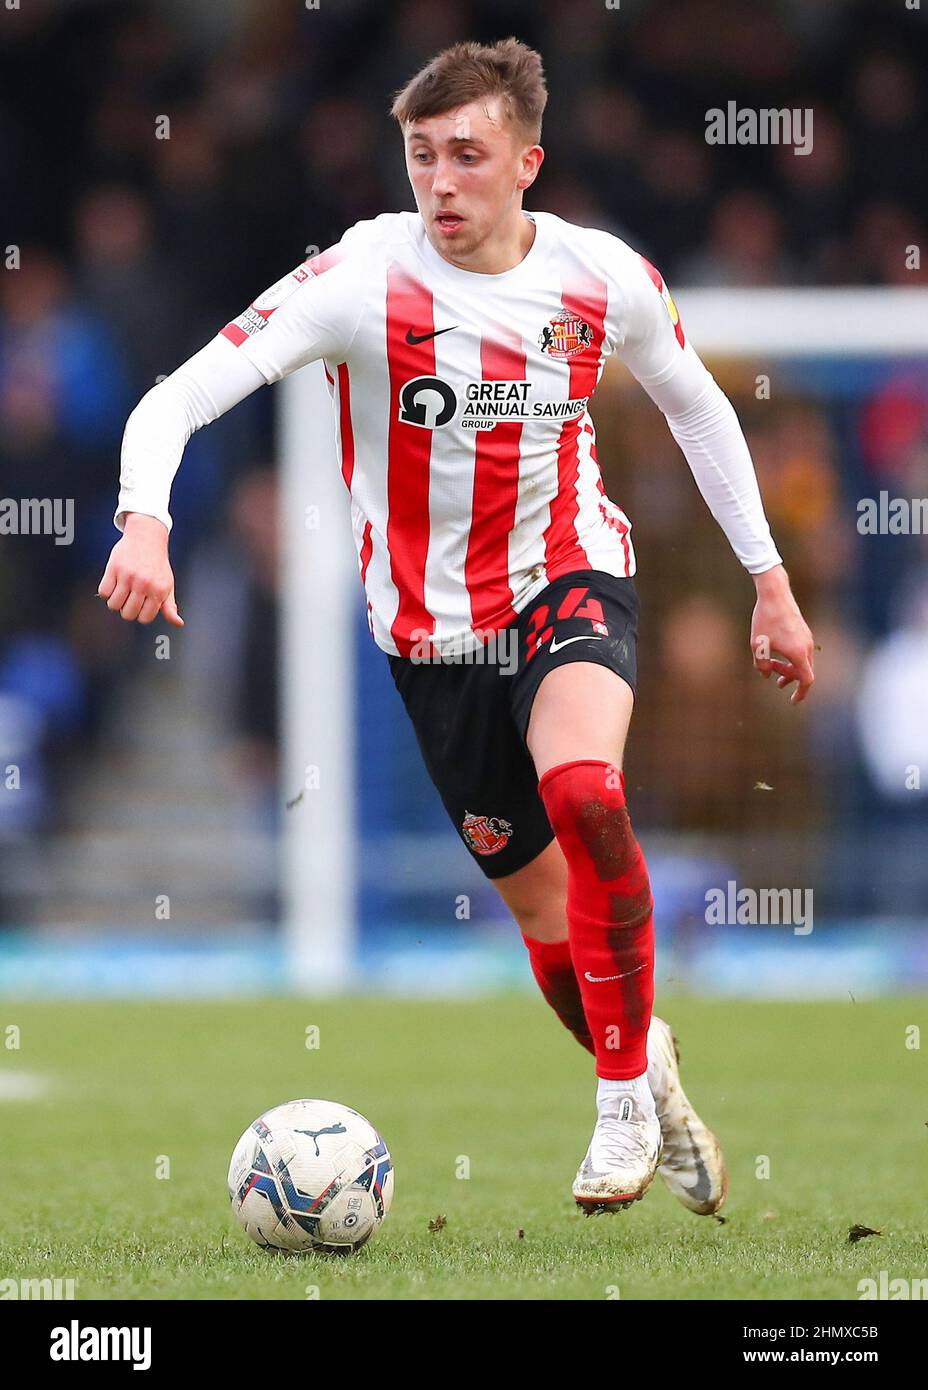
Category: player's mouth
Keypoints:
(448, 222)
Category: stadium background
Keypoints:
(142, 779)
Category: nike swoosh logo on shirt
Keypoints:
(584, 637)
(601, 979)
(414, 338)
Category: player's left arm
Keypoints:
(651, 342)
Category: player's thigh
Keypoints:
(581, 710)
(537, 895)
(573, 692)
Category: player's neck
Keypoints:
(502, 251)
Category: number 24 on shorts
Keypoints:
(569, 607)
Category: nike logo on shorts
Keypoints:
(584, 637)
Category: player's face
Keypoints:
(468, 169)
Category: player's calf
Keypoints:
(609, 916)
(553, 968)
(609, 910)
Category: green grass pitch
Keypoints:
(829, 1093)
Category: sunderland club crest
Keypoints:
(565, 334)
(486, 834)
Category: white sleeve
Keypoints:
(701, 418)
(303, 317)
(207, 385)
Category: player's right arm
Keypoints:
(138, 582)
(311, 313)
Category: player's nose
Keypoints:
(443, 181)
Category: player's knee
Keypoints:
(585, 802)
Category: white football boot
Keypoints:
(692, 1166)
(623, 1155)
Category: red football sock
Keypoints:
(609, 910)
(553, 968)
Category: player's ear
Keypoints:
(532, 160)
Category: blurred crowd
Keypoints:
(163, 161)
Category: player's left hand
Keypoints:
(781, 641)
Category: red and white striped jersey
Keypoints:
(464, 432)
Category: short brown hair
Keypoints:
(467, 71)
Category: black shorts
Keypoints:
(471, 718)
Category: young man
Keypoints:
(461, 346)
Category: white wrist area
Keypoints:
(140, 509)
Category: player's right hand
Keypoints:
(138, 582)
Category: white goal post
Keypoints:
(320, 583)
(321, 588)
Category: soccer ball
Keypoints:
(311, 1175)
